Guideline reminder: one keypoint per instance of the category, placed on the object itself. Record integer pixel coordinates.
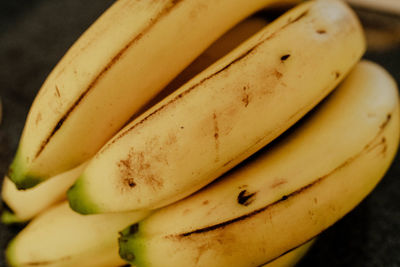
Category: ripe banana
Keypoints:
(287, 194)
(125, 58)
(23, 205)
(291, 258)
(61, 237)
(226, 113)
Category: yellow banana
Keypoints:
(288, 194)
(224, 114)
(61, 237)
(128, 55)
(23, 205)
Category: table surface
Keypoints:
(34, 34)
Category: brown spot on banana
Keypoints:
(216, 136)
(245, 97)
(278, 183)
(245, 198)
(277, 74)
(57, 92)
(385, 123)
(366, 149)
(285, 57)
(135, 169)
(195, 86)
(38, 118)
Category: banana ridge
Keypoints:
(205, 79)
(105, 69)
(375, 143)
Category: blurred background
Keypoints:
(34, 35)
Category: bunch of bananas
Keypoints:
(273, 133)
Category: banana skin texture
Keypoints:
(60, 237)
(119, 64)
(287, 194)
(224, 114)
(23, 205)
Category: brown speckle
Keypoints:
(384, 149)
(205, 202)
(283, 198)
(216, 135)
(385, 123)
(285, 57)
(135, 169)
(190, 89)
(245, 198)
(382, 143)
(278, 74)
(131, 182)
(321, 31)
(337, 74)
(245, 97)
(38, 118)
(57, 92)
(278, 183)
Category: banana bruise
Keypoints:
(123, 60)
(224, 114)
(311, 178)
(22, 205)
(61, 237)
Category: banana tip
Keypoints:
(79, 200)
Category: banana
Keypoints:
(286, 195)
(128, 55)
(292, 257)
(23, 205)
(62, 237)
(226, 113)
(226, 43)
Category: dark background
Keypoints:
(34, 34)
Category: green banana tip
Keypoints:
(8, 217)
(19, 175)
(79, 201)
(130, 247)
